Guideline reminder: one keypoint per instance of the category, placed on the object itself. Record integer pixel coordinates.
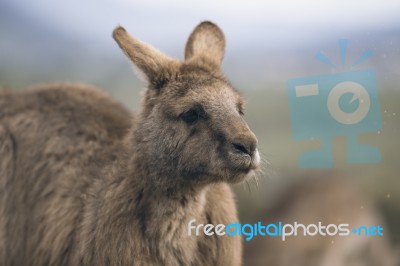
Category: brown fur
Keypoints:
(82, 182)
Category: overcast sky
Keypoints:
(273, 22)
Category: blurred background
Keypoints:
(268, 42)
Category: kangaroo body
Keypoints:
(84, 182)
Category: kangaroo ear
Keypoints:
(207, 42)
(157, 66)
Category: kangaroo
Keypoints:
(85, 182)
(328, 198)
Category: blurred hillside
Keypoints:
(34, 49)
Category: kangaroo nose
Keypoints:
(245, 145)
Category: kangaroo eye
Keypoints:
(190, 116)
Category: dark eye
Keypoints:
(190, 116)
(241, 112)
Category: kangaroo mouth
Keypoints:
(245, 162)
(233, 169)
(255, 160)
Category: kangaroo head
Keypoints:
(191, 126)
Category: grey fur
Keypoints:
(83, 182)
